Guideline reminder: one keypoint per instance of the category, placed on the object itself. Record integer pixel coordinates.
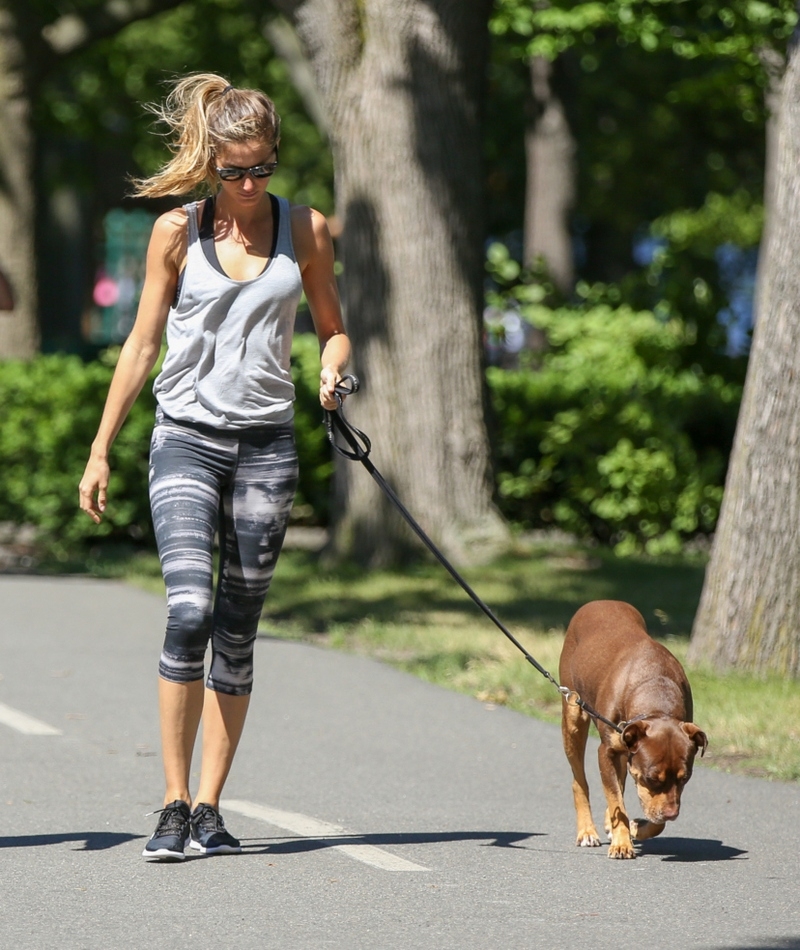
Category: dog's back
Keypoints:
(611, 661)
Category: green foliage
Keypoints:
(97, 98)
(656, 132)
(608, 437)
(687, 28)
(312, 504)
(685, 278)
(51, 409)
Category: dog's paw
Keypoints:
(622, 851)
(588, 839)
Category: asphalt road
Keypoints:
(375, 811)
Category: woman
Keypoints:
(224, 277)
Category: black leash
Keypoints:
(359, 451)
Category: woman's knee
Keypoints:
(189, 626)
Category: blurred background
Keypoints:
(624, 153)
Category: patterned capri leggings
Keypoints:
(241, 485)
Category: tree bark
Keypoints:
(19, 337)
(550, 189)
(749, 614)
(402, 82)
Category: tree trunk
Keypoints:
(402, 82)
(749, 614)
(549, 153)
(19, 334)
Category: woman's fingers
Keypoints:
(94, 483)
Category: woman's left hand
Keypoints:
(328, 378)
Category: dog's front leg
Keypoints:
(613, 767)
(574, 731)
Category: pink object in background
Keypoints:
(106, 292)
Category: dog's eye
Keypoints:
(655, 783)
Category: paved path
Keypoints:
(376, 812)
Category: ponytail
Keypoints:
(203, 112)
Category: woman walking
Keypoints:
(224, 277)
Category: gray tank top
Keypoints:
(229, 341)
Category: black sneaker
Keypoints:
(171, 835)
(208, 832)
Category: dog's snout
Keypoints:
(670, 812)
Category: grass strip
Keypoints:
(420, 621)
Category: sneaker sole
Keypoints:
(164, 854)
(220, 849)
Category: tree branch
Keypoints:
(285, 42)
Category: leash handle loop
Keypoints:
(360, 445)
(348, 385)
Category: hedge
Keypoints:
(604, 435)
(608, 437)
(51, 408)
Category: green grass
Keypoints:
(420, 621)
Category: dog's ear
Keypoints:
(633, 734)
(697, 736)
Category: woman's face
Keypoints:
(245, 155)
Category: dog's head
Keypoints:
(661, 756)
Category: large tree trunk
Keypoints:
(550, 188)
(19, 334)
(402, 84)
(34, 38)
(749, 615)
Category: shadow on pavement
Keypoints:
(286, 845)
(93, 840)
(768, 943)
(689, 849)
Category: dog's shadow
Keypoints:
(688, 850)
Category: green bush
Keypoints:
(51, 408)
(608, 437)
(312, 504)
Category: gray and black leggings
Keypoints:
(242, 485)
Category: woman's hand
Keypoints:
(328, 378)
(93, 487)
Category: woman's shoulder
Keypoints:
(170, 222)
(169, 238)
(311, 231)
(308, 218)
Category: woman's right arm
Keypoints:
(165, 256)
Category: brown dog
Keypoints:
(609, 660)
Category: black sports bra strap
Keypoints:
(206, 229)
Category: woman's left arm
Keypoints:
(314, 251)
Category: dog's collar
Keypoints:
(623, 724)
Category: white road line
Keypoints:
(24, 723)
(313, 828)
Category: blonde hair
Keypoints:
(203, 112)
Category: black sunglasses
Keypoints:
(257, 171)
